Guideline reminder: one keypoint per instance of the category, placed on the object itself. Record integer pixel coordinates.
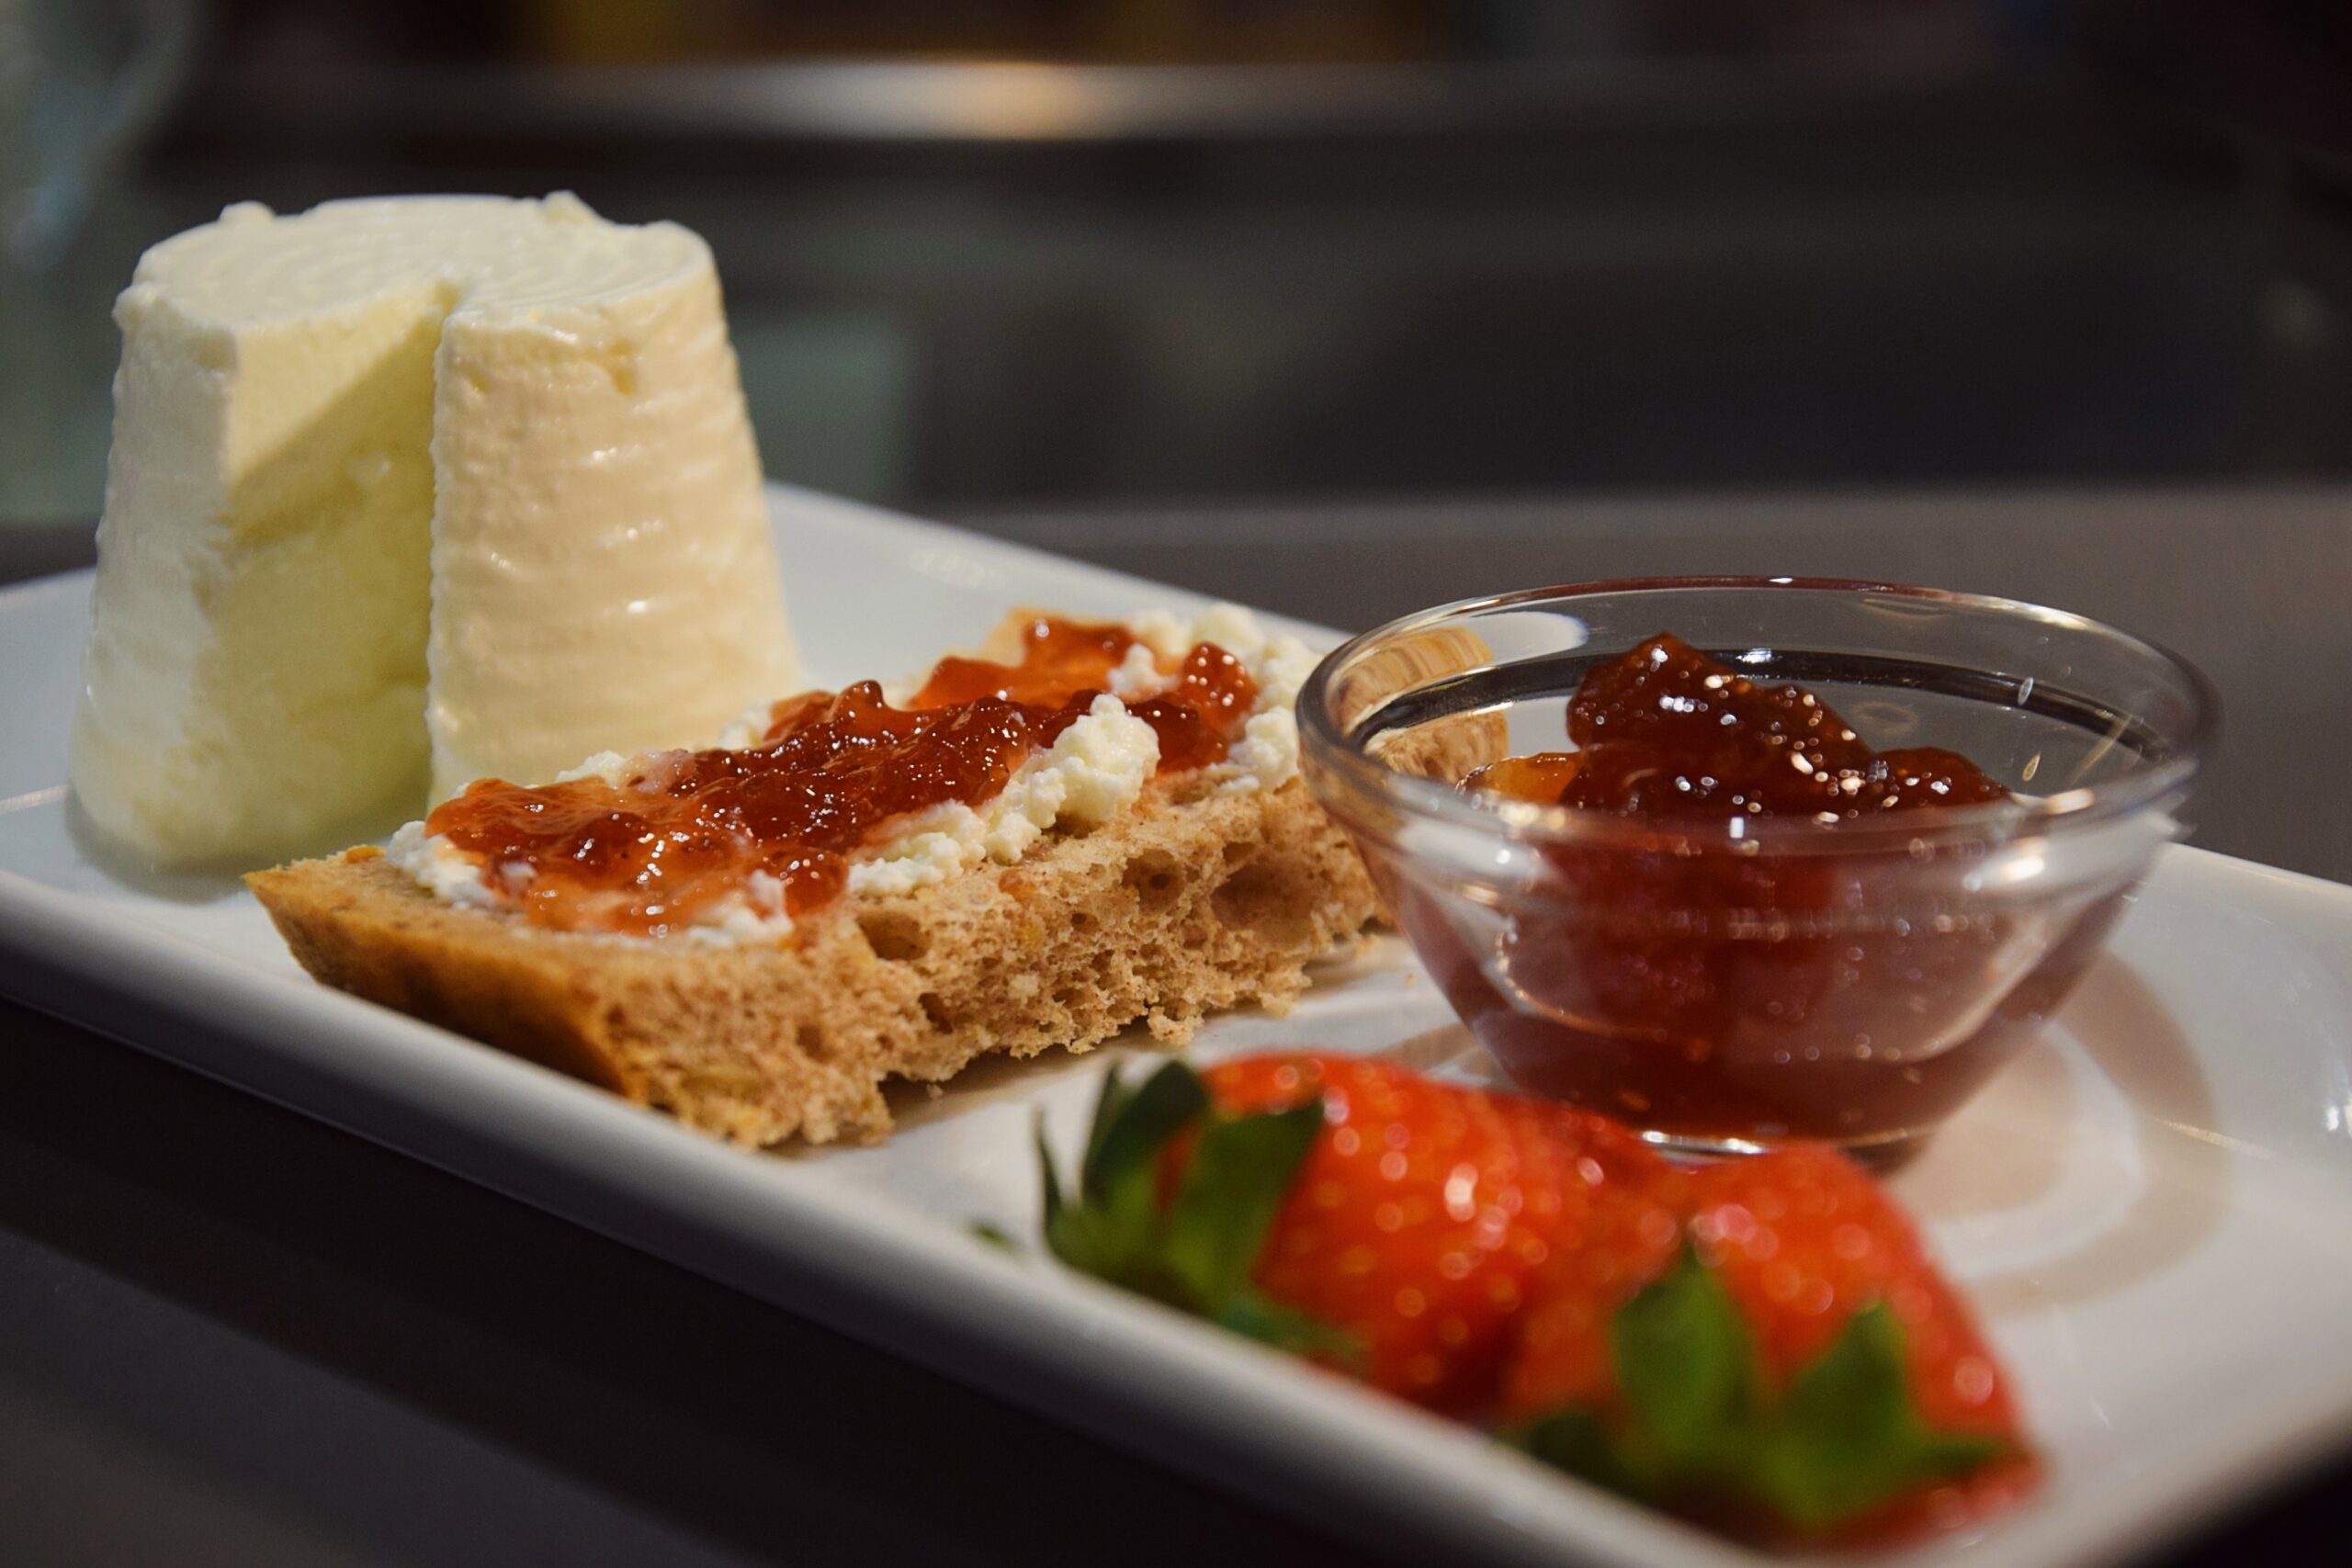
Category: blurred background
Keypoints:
(1086, 255)
(1338, 307)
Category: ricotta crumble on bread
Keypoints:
(1095, 769)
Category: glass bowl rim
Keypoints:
(1330, 751)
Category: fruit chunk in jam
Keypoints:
(1718, 992)
(1665, 731)
(690, 829)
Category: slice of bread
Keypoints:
(1190, 901)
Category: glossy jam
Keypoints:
(1665, 732)
(1718, 996)
(693, 829)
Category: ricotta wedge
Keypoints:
(408, 491)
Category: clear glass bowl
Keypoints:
(1725, 986)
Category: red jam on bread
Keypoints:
(646, 856)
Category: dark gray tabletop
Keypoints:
(230, 1335)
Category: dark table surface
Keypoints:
(231, 1335)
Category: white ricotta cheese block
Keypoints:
(405, 492)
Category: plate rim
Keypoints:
(1081, 1353)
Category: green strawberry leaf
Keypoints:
(1843, 1439)
(1849, 1435)
(1687, 1365)
(1580, 1442)
(1048, 1173)
(1109, 1227)
(1240, 1173)
(1081, 1235)
(1109, 1106)
(1251, 1316)
(1199, 1253)
(1122, 1191)
(1131, 1130)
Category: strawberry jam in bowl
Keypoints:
(1741, 861)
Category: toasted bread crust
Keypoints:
(1178, 907)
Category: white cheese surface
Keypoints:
(412, 489)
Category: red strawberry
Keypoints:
(1562, 1357)
(1351, 1209)
(1764, 1342)
(1418, 1221)
(1801, 1364)
(1803, 1239)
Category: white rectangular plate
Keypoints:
(2148, 1208)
